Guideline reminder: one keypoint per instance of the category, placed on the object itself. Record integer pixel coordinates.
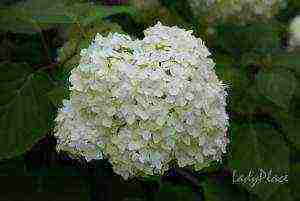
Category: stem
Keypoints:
(190, 177)
(81, 30)
(49, 66)
(45, 47)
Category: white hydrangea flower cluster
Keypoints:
(294, 40)
(243, 10)
(143, 103)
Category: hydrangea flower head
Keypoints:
(143, 103)
(242, 10)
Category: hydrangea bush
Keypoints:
(242, 10)
(143, 103)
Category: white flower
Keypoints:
(140, 103)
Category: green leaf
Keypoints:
(258, 146)
(111, 10)
(250, 58)
(57, 95)
(288, 191)
(151, 178)
(235, 78)
(278, 86)
(237, 39)
(249, 102)
(286, 60)
(282, 193)
(24, 108)
(175, 193)
(86, 13)
(52, 19)
(100, 11)
(16, 20)
(48, 11)
(290, 126)
(33, 16)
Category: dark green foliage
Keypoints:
(33, 15)
(25, 108)
(250, 151)
(277, 86)
(257, 38)
(57, 95)
(287, 61)
(24, 48)
(13, 167)
(40, 43)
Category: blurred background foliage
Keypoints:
(40, 43)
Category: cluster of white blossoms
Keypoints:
(243, 10)
(294, 29)
(143, 103)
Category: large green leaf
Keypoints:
(288, 191)
(257, 147)
(278, 86)
(16, 20)
(235, 78)
(98, 12)
(24, 108)
(282, 193)
(287, 60)
(57, 95)
(49, 11)
(290, 126)
(34, 15)
(251, 103)
(236, 39)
